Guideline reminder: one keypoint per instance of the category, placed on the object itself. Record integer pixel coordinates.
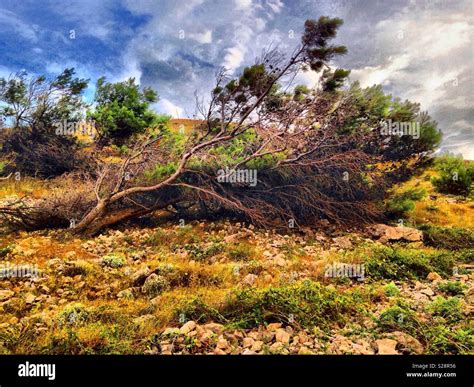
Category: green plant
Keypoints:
(155, 284)
(452, 288)
(399, 263)
(399, 317)
(456, 176)
(73, 314)
(5, 250)
(449, 309)
(241, 251)
(450, 238)
(113, 260)
(391, 290)
(401, 203)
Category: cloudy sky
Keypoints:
(422, 50)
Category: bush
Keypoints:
(79, 267)
(307, 304)
(449, 309)
(122, 110)
(455, 176)
(5, 250)
(113, 260)
(155, 284)
(200, 253)
(448, 238)
(401, 203)
(399, 317)
(399, 263)
(241, 252)
(452, 288)
(391, 290)
(73, 314)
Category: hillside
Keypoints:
(227, 287)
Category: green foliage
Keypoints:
(5, 250)
(452, 288)
(161, 171)
(399, 317)
(155, 285)
(447, 308)
(315, 40)
(113, 260)
(307, 304)
(391, 290)
(241, 251)
(32, 108)
(456, 176)
(199, 252)
(402, 203)
(122, 110)
(73, 314)
(450, 238)
(400, 263)
(442, 339)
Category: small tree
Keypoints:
(456, 176)
(122, 110)
(31, 108)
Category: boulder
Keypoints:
(386, 347)
(6, 294)
(385, 233)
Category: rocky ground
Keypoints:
(227, 288)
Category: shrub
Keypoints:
(455, 176)
(5, 250)
(73, 314)
(452, 288)
(448, 238)
(399, 317)
(122, 110)
(391, 290)
(401, 203)
(78, 267)
(307, 304)
(449, 309)
(199, 252)
(241, 252)
(399, 263)
(113, 260)
(154, 285)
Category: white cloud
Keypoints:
(25, 30)
(233, 58)
(166, 106)
(202, 37)
(243, 4)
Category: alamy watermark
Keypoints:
(341, 270)
(71, 128)
(243, 176)
(396, 128)
(19, 271)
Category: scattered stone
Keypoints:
(385, 233)
(282, 336)
(139, 277)
(386, 347)
(406, 344)
(30, 298)
(188, 327)
(126, 294)
(6, 294)
(433, 276)
(342, 242)
(249, 280)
